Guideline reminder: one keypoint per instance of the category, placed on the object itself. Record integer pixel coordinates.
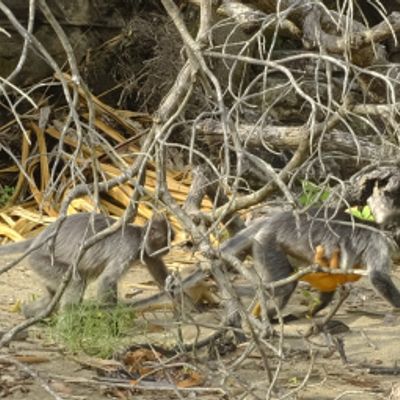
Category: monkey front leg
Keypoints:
(73, 295)
(74, 292)
(157, 268)
(317, 328)
(107, 290)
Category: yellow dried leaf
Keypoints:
(24, 226)
(31, 214)
(21, 177)
(44, 162)
(7, 219)
(10, 233)
(16, 307)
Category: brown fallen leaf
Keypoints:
(135, 360)
(194, 379)
(31, 358)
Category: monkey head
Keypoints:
(158, 236)
(380, 189)
(384, 203)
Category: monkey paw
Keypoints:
(334, 327)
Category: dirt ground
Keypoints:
(372, 342)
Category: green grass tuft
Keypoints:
(6, 193)
(92, 329)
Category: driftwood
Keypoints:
(344, 150)
(316, 28)
(289, 138)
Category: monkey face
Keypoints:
(384, 205)
(159, 236)
(380, 189)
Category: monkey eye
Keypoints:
(393, 195)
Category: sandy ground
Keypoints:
(373, 341)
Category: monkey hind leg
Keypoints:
(272, 265)
(52, 273)
(73, 294)
(107, 290)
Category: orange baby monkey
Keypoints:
(324, 282)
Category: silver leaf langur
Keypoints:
(107, 260)
(284, 242)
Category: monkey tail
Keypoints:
(243, 240)
(16, 248)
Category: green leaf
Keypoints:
(312, 193)
(363, 213)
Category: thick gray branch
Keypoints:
(289, 138)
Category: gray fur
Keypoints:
(282, 242)
(107, 260)
(15, 248)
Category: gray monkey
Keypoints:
(284, 242)
(108, 259)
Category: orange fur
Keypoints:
(324, 281)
